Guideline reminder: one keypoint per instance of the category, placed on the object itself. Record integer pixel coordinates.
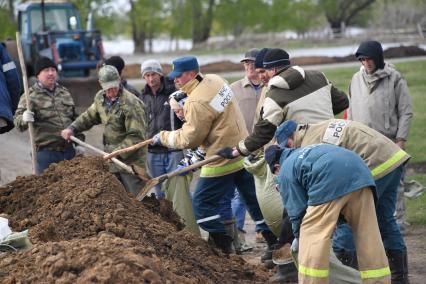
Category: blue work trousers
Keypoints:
(238, 210)
(386, 187)
(209, 192)
(47, 157)
(162, 163)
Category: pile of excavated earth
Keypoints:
(85, 227)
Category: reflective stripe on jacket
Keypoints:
(381, 154)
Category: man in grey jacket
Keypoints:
(379, 98)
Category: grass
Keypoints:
(416, 208)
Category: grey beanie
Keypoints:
(151, 65)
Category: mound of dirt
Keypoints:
(86, 228)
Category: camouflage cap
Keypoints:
(109, 77)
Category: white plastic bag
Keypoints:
(4, 228)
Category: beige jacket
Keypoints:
(380, 153)
(247, 98)
(213, 121)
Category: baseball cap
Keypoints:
(109, 77)
(250, 55)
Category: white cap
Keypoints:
(151, 65)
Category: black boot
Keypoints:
(271, 241)
(222, 241)
(348, 258)
(285, 273)
(398, 265)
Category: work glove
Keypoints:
(28, 116)
(191, 157)
(156, 141)
(226, 153)
(295, 245)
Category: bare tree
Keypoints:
(202, 17)
(342, 12)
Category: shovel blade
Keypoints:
(148, 186)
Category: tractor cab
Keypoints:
(53, 29)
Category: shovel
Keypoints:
(128, 149)
(282, 255)
(131, 170)
(153, 182)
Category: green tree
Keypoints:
(238, 16)
(7, 21)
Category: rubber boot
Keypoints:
(271, 241)
(348, 258)
(231, 230)
(285, 273)
(222, 241)
(398, 265)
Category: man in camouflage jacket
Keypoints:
(123, 116)
(52, 109)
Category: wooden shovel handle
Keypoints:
(114, 160)
(128, 149)
(153, 182)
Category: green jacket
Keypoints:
(53, 111)
(124, 123)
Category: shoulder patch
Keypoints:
(334, 131)
(279, 82)
(222, 99)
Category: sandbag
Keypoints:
(269, 198)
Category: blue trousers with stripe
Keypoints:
(209, 192)
(386, 188)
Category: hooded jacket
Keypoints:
(381, 154)
(213, 121)
(371, 49)
(381, 101)
(10, 89)
(318, 174)
(294, 93)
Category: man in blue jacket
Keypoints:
(319, 184)
(10, 90)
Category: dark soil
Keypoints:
(133, 70)
(86, 228)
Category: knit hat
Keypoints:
(285, 131)
(250, 55)
(276, 57)
(43, 63)
(151, 65)
(273, 155)
(177, 99)
(117, 62)
(371, 49)
(258, 62)
(109, 77)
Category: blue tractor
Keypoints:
(53, 29)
